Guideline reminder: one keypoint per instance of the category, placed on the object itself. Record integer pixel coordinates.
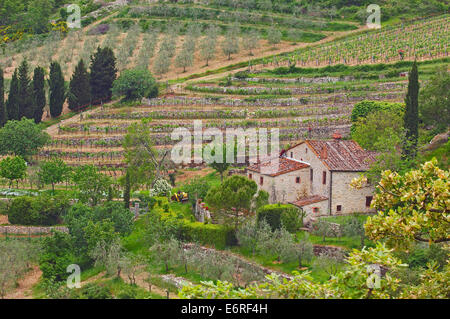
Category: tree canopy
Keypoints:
(135, 84)
(434, 100)
(22, 138)
(412, 207)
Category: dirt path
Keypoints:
(24, 291)
(4, 219)
(190, 174)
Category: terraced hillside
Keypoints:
(152, 35)
(309, 111)
(300, 101)
(421, 40)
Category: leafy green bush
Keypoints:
(92, 291)
(3, 208)
(280, 215)
(57, 254)
(127, 292)
(121, 217)
(363, 108)
(42, 210)
(215, 235)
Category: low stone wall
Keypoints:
(331, 251)
(31, 230)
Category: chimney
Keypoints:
(337, 136)
(324, 153)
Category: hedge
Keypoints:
(37, 211)
(277, 215)
(215, 235)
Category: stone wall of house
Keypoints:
(284, 188)
(310, 214)
(303, 153)
(351, 200)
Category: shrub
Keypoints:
(127, 292)
(41, 210)
(57, 254)
(363, 108)
(4, 208)
(215, 235)
(92, 291)
(121, 217)
(161, 188)
(278, 215)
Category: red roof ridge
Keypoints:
(309, 200)
(285, 165)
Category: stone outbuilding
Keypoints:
(315, 175)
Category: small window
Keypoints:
(324, 177)
(250, 176)
(339, 208)
(315, 210)
(297, 180)
(292, 155)
(368, 200)
(306, 151)
(261, 180)
(311, 176)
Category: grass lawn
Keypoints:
(442, 153)
(349, 243)
(342, 219)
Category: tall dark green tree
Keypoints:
(127, 190)
(38, 94)
(26, 103)
(411, 117)
(57, 89)
(12, 105)
(103, 74)
(79, 88)
(3, 113)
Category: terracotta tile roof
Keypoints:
(342, 155)
(309, 200)
(270, 168)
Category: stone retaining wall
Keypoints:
(31, 230)
(334, 251)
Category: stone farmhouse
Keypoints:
(315, 175)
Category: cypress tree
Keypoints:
(103, 74)
(3, 113)
(38, 94)
(127, 191)
(26, 107)
(79, 88)
(411, 117)
(12, 105)
(57, 90)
